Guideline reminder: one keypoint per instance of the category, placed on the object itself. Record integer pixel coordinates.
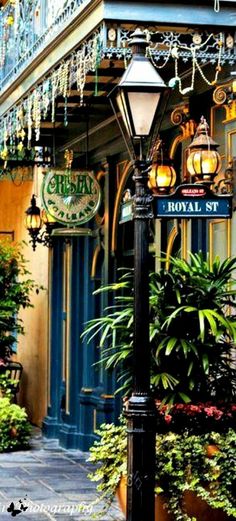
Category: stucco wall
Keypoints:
(32, 347)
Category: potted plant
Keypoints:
(191, 482)
(193, 375)
(192, 330)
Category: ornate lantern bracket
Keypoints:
(33, 223)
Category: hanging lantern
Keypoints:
(162, 176)
(33, 221)
(203, 162)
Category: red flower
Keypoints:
(179, 406)
(168, 418)
(193, 409)
(210, 411)
(218, 414)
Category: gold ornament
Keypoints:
(4, 153)
(20, 146)
(10, 20)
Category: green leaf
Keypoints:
(185, 346)
(205, 363)
(184, 397)
(190, 367)
(170, 345)
(211, 321)
(201, 325)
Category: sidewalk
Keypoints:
(51, 482)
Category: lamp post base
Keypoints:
(140, 415)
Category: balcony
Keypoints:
(26, 27)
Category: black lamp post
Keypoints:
(137, 97)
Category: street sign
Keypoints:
(187, 202)
(126, 212)
(190, 201)
(208, 208)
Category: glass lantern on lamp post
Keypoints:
(162, 176)
(203, 162)
(137, 99)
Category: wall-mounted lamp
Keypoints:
(33, 223)
(204, 162)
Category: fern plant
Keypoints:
(192, 330)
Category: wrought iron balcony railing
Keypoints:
(26, 26)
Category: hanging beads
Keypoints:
(29, 120)
(195, 64)
(36, 113)
(45, 98)
(54, 84)
(216, 6)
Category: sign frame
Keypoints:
(61, 197)
(190, 201)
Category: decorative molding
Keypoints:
(184, 236)
(126, 170)
(30, 29)
(171, 239)
(228, 223)
(49, 325)
(225, 95)
(73, 69)
(166, 43)
(96, 253)
(181, 116)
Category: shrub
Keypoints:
(182, 464)
(15, 290)
(192, 330)
(14, 426)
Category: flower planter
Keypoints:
(161, 513)
(196, 507)
(192, 505)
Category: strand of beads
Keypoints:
(216, 6)
(63, 78)
(195, 65)
(218, 66)
(29, 119)
(80, 72)
(151, 50)
(36, 113)
(54, 85)
(45, 98)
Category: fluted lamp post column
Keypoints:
(137, 98)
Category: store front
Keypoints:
(63, 109)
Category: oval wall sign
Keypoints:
(71, 197)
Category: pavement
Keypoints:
(47, 482)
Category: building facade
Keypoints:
(59, 60)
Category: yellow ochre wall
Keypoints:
(32, 347)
